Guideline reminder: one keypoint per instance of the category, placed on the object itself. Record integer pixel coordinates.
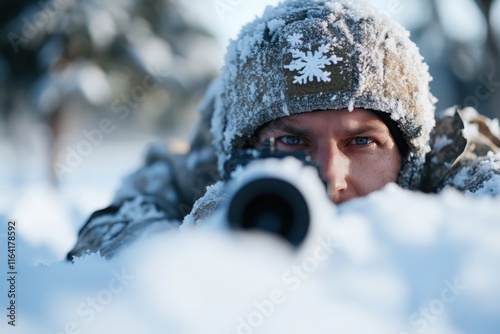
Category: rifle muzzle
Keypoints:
(270, 205)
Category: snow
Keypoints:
(394, 262)
(50, 230)
(350, 106)
(133, 210)
(487, 167)
(274, 25)
(295, 39)
(441, 142)
(310, 65)
(448, 112)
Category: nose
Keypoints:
(334, 168)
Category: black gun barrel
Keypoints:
(271, 205)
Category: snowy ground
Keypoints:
(49, 217)
(395, 262)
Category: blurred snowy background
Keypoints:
(86, 85)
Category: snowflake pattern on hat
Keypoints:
(295, 39)
(309, 64)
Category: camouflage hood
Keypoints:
(307, 55)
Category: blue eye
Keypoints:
(291, 140)
(362, 141)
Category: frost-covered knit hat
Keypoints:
(307, 55)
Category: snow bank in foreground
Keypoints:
(395, 262)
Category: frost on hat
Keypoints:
(306, 55)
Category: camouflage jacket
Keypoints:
(465, 154)
(162, 194)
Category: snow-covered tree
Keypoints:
(147, 58)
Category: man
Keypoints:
(333, 78)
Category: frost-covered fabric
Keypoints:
(476, 177)
(465, 154)
(311, 55)
(108, 230)
(157, 196)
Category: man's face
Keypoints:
(355, 150)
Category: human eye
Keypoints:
(362, 141)
(291, 140)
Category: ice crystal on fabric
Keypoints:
(310, 65)
(295, 39)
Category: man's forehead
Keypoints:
(343, 116)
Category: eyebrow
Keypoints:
(370, 126)
(283, 126)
